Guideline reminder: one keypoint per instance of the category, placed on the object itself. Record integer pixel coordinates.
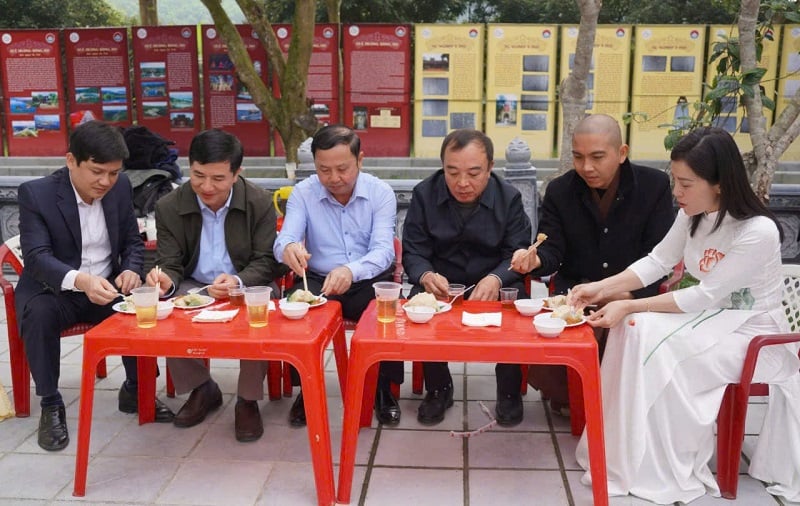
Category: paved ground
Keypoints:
(162, 465)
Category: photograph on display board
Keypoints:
(534, 122)
(462, 120)
(360, 118)
(115, 113)
(181, 119)
(790, 87)
(436, 62)
(221, 82)
(434, 107)
(681, 117)
(153, 70)
(535, 83)
(154, 89)
(114, 95)
(87, 95)
(220, 61)
(435, 86)
(154, 109)
(434, 128)
(536, 63)
(535, 103)
(181, 99)
(681, 64)
(506, 110)
(47, 122)
(745, 127)
(24, 128)
(654, 63)
(242, 93)
(248, 112)
(22, 105)
(44, 99)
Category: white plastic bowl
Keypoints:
(529, 307)
(547, 326)
(164, 309)
(419, 314)
(294, 310)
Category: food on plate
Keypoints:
(303, 296)
(568, 313)
(555, 301)
(423, 299)
(190, 300)
(127, 304)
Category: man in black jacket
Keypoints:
(599, 218)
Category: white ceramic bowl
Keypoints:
(419, 314)
(165, 308)
(529, 307)
(294, 310)
(547, 326)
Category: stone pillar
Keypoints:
(305, 161)
(520, 173)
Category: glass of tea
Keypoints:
(387, 294)
(256, 298)
(236, 296)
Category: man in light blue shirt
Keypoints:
(339, 229)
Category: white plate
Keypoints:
(583, 320)
(207, 301)
(443, 307)
(123, 307)
(321, 301)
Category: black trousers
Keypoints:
(354, 301)
(43, 319)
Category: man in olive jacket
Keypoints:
(216, 230)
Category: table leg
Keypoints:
(319, 433)
(368, 398)
(146, 369)
(593, 404)
(340, 353)
(577, 415)
(90, 360)
(356, 377)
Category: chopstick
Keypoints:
(305, 281)
(158, 279)
(215, 306)
(540, 238)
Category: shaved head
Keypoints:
(600, 124)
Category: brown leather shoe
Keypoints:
(248, 423)
(203, 400)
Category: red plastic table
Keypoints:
(445, 339)
(299, 342)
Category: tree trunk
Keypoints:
(148, 12)
(573, 89)
(334, 8)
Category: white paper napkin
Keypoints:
(481, 319)
(210, 316)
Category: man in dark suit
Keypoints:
(81, 248)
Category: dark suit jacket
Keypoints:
(581, 247)
(50, 233)
(250, 230)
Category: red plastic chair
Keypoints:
(20, 372)
(733, 410)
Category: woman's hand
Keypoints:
(584, 294)
(610, 314)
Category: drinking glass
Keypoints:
(145, 298)
(257, 300)
(387, 294)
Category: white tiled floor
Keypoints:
(162, 465)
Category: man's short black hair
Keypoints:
(459, 139)
(97, 141)
(332, 135)
(215, 145)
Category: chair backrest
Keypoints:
(398, 261)
(11, 254)
(791, 294)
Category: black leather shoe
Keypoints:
(297, 415)
(431, 410)
(202, 401)
(53, 434)
(129, 403)
(509, 409)
(247, 420)
(387, 410)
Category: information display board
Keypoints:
(228, 103)
(377, 87)
(98, 75)
(323, 74)
(667, 78)
(790, 81)
(733, 117)
(448, 83)
(34, 92)
(609, 74)
(167, 82)
(521, 86)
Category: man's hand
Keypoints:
(296, 258)
(337, 281)
(99, 290)
(435, 283)
(487, 288)
(157, 277)
(127, 281)
(219, 289)
(525, 260)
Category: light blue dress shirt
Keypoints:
(214, 258)
(359, 235)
